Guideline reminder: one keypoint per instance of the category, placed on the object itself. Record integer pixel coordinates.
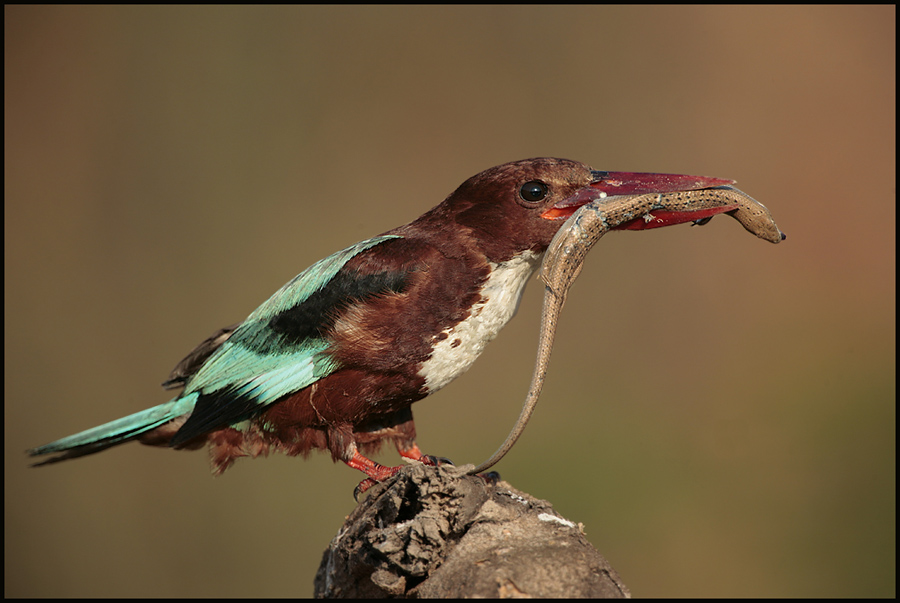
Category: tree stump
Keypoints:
(434, 532)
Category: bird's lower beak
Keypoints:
(607, 184)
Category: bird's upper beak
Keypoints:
(607, 184)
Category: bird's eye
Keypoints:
(533, 191)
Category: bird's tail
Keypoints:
(115, 432)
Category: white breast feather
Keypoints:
(501, 295)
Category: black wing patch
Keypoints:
(310, 319)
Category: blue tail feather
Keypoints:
(115, 432)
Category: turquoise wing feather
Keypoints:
(278, 350)
(259, 361)
(115, 432)
(271, 354)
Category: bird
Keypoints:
(334, 359)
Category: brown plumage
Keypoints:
(335, 359)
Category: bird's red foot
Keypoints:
(435, 461)
(415, 454)
(377, 472)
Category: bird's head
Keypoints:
(519, 206)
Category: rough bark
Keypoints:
(435, 532)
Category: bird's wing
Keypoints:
(191, 363)
(282, 346)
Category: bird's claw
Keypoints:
(425, 459)
(362, 487)
(435, 461)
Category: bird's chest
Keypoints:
(455, 348)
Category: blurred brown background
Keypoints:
(719, 412)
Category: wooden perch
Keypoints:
(434, 532)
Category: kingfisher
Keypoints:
(334, 359)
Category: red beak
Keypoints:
(638, 183)
(607, 184)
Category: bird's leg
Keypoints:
(377, 472)
(411, 451)
(399, 427)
